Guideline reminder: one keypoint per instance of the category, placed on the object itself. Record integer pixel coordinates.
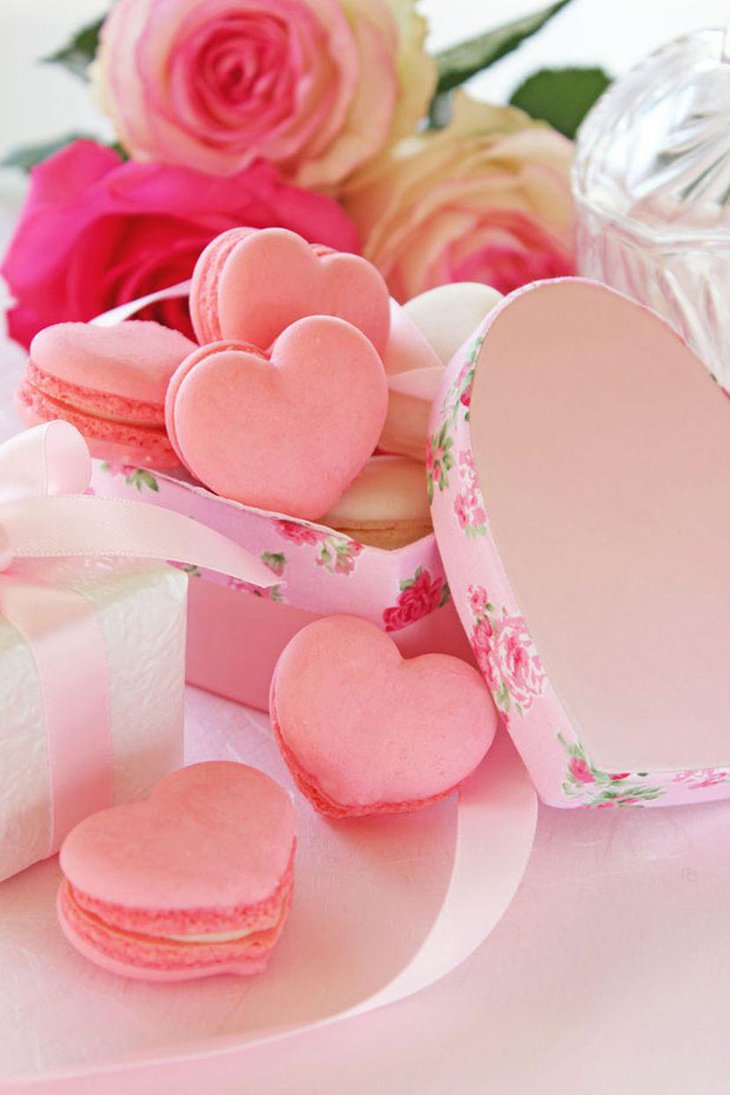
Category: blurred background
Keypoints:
(40, 101)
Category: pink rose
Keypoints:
(481, 641)
(517, 661)
(96, 232)
(315, 86)
(298, 534)
(486, 199)
(270, 593)
(416, 601)
(580, 770)
(477, 600)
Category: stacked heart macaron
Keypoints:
(194, 881)
(304, 369)
(282, 410)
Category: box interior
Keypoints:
(603, 451)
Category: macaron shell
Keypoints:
(106, 439)
(386, 506)
(214, 835)
(269, 278)
(204, 286)
(367, 731)
(134, 359)
(447, 315)
(198, 355)
(153, 959)
(286, 433)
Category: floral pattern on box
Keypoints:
(140, 478)
(505, 654)
(557, 759)
(336, 553)
(594, 787)
(418, 597)
(320, 569)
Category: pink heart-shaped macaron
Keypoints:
(364, 730)
(250, 284)
(195, 880)
(287, 432)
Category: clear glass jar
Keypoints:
(652, 190)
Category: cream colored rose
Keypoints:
(317, 87)
(487, 199)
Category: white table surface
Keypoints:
(610, 971)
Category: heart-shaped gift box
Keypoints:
(579, 465)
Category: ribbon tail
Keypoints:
(65, 639)
(83, 525)
(126, 311)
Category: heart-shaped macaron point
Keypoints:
(364, 730)
(196, 880)
(288, 432)
(251, 284)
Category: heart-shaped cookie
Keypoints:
(287, 432)
(250, 284)
(194, 881)
(364, 730)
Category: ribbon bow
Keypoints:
(45, 514)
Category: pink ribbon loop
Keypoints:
(44, 513)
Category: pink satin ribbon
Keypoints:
(44, 514)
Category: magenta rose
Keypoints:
(517, 661)
(96, 232)
(417, 600)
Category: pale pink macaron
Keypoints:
(386, 506)
(425, 334)
(194, 881)
(250, 284)
(109, 382)
(364, 730)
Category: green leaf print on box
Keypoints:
(275, 561)
(189, 568)
(337, 555)
(602, 789)
(439, 460)
(458, 396)
(133, 477)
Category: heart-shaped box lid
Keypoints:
(579, 468)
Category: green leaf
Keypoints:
(78, 54)
(440, 110)
(459, 62)
(561, 96)
(27, 156)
